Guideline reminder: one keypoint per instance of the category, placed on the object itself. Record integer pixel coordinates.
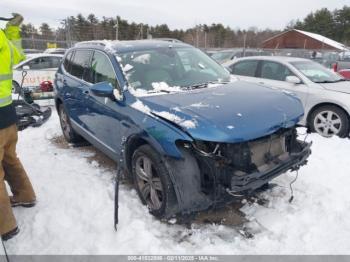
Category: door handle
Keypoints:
(262, 83)
(86, 92)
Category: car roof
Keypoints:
(31, 56)
(130, 45)
(283, 59)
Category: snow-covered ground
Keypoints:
(74, 214)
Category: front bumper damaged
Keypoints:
(250, 182)
(213, 174)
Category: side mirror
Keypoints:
(293, 80)
(105, 89)
(26, 67)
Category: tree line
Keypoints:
(334, 24)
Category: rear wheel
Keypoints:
(68, 132)
(152, 181)
(328, 121)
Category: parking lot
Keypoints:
(74, 214)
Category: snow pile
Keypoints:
(138, 105)
(176, 119)
(143, 59)
(127, 68)
(74, 214)
(164, 87)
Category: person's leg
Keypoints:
(15, 174)
(7, 219)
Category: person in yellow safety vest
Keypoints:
(11, 168)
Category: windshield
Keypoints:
(160, 69)
(317, 73)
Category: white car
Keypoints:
(324, 93)
(39, 67)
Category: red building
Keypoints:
(297, 39)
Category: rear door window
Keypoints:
(245, 68)
(81, 63)
(274, 71)
(102, 70)
(42, 63)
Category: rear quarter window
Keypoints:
(67, 64)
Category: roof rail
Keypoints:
(173, 40)
(93, 42)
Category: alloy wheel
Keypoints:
(327, 123)
(149, 183)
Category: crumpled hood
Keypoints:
(233, 112)
(343, 87)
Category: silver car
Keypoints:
(324, 93)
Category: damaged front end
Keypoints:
(238, 169)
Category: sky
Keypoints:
(180, 14)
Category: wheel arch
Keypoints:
(315, 107)
(184, 174)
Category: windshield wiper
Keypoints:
(159, 91)
(204, 85)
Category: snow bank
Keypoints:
(74, 214)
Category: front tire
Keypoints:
(152, 181)
(68, 132)
(329, 121)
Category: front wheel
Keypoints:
(329, 121)
(152, 181)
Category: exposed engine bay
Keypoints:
(243, 167)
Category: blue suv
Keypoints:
(189, 137)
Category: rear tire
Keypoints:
(329, 120)
(68, 132)
(152, 181)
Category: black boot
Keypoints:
(10, 234)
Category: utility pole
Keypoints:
(68, 33)
(116, 26)
(141, 31)
(244, 43)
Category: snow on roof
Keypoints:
(324, 39)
